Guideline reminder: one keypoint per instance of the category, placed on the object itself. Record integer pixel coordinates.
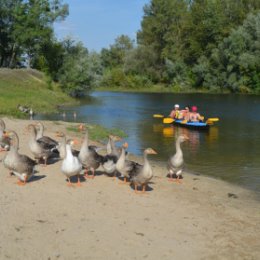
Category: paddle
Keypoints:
(213, 119)
(158, 116)
(210, 121)
(168, 120)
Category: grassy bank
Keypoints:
(30, 88)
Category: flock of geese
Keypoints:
(82, 163)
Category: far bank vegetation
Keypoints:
(182, 46)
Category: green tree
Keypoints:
(234, 64)
(33, 24)
(161, 28)
(209, 22)
(142, 61)
(9, 50)
(115, 55)
(80, 70)
(49, 58)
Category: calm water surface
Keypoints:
(230, 150)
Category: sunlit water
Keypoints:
(230, 150)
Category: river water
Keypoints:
(230, 150)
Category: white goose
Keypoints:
(175, 162)
(71, 166)
(62, 147)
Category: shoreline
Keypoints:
(203, 218)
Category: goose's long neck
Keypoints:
(33, 135)
(2, 125)
(122, 155)
(178, 147)
(69, 154)
(113, 146)
(147, 169)
(146, 162)
(62, 148)
(15, 144)
(84, 146)
(1, 133)
(40, 132)
(121, 160)
(109, 147)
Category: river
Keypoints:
(230, 150)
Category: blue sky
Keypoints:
(98, 22)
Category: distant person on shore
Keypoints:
(75, 115)
(64, 115)
(194, 115)
(175, 112)
(31, 113)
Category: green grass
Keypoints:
(98, 133)
(30, 88)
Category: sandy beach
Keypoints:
(203, 218)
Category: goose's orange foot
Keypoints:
(143, 192)
(178, 181)
(79, 183)
(20, 183)
(89, 176)
(69, 184)
(86, 175)
(124, 182)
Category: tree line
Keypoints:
(182, 45)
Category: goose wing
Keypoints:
(47, 142)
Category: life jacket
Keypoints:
(177, 114)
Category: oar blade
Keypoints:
(158, 116)
(168, 120)
(213, 119)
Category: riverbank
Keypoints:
(203, 218)
(29, 88)
(163, 89)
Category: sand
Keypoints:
(45, 219)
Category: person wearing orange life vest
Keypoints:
(186, 113)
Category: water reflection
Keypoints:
(168, 131)
(211, 136)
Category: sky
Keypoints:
(97, 23)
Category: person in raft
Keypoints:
(175, 112)
(186, 113)
(194, 115)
